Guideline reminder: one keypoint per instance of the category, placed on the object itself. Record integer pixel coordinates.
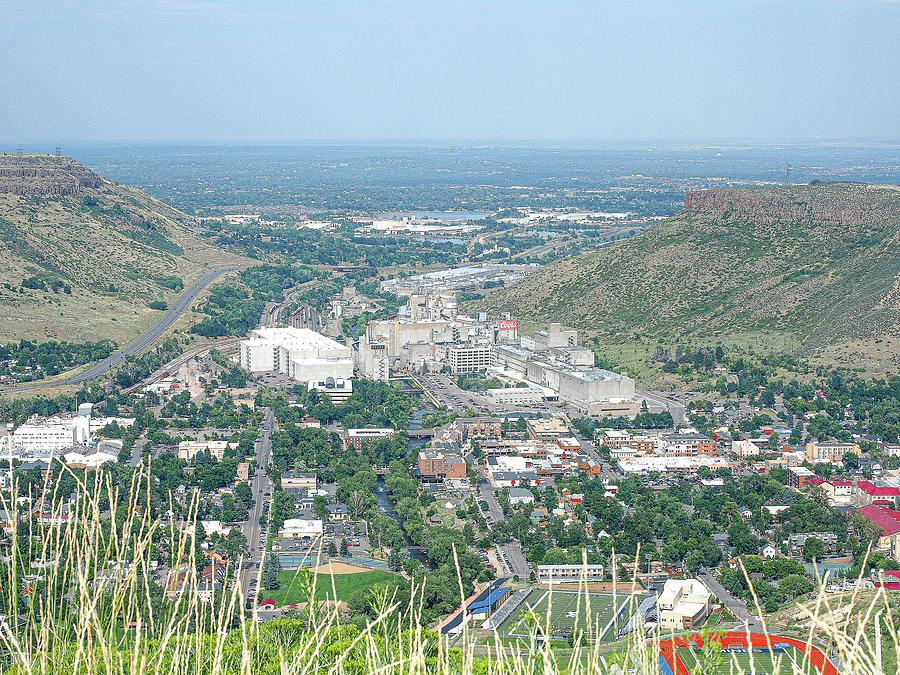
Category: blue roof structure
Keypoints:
(483, 603)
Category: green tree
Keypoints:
(235, 544)
(271, 570)
(813, 549)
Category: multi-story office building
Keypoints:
(469, 358)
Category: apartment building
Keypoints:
(641, 443)
(689, 444)
(798, 476)
(831, 451)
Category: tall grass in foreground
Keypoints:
(78, 596)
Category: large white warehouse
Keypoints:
(299, 353)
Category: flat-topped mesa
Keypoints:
(44, 175)
(818, 202)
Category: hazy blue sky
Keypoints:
(431, 69)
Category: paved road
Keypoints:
(137, 452)
(607, 472)
(139, 343)
(734, 605)
(487, 494)
(259, 486)
(517, 560)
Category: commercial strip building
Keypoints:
(530, 468)
(301, 528)
(670, 464)
(299, 353)
(679, 452)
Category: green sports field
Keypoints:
(759, 661)
(562, 613)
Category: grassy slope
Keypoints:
(113, 234)
(805, 268)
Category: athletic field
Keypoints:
(738, 660)
(563, 613)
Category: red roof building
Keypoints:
(869, 493)
(890, 580)
(887, 519)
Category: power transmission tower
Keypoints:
(787, 174)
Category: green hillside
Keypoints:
(85, 257)
(814, 268)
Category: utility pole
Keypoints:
(878, 639)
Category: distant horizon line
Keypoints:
(470, 143)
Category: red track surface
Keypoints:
(815, 655)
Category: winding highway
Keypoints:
(135, 346)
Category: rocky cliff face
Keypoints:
(44, 176)
(818, 203)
